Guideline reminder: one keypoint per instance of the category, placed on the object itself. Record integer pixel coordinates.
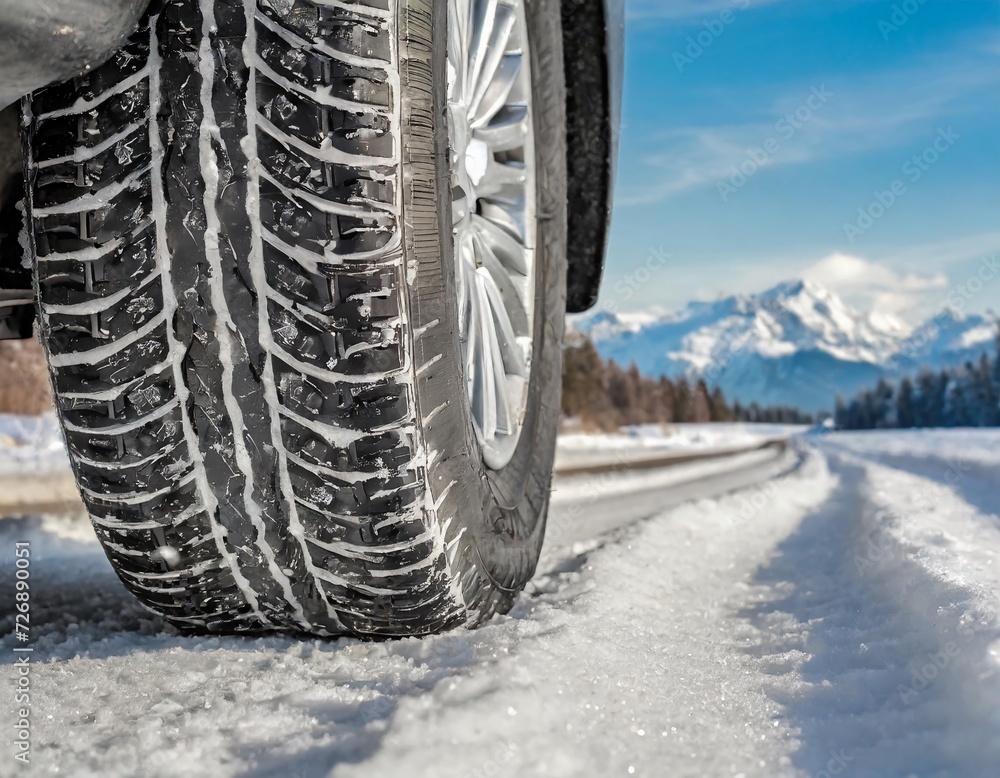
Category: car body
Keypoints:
(52, 40)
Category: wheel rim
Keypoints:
(491, 136)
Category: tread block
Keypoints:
(127, 61)
(342, 28)
(327, 235)
(343, 350)
(340, 405)
(117, 369)
(352, 131)
(55, 136)
(109, 267)
(108, 321)
(117, 216)
(338, 184)
(92, 169)
(360, 498)
(314, 70)
(138, 401)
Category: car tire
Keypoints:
(243, 230)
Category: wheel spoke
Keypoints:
(487, 384)
(507, 131)
(502, 182)
(497, 92)
(460, 205)
(509, 220)
(496, 50)
(472, 335)
(464, 303)
(506, 247)
(458, 42)
(510, 351)
(493, 212)
(506, 287)
(483, 14)
(504, 422)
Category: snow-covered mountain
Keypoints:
(798, 344)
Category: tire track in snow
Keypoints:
(870, 640)
(978, 483)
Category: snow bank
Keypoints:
(975, 447)
(891, 613)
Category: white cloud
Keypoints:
(698, 157)
(911, 283)
(874, 286)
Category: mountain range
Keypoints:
(797, 344)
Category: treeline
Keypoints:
(964, 396)
(605, 396)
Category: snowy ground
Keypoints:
(836, 614)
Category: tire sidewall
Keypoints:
(493, 521)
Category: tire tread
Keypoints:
(240, 414)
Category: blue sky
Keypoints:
(823, 104)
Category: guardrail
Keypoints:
(624, 464)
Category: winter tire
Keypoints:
(301, 274)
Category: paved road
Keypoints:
(587, 505)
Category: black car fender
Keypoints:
(52, 40)
(593, 46)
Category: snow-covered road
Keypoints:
(836, 614)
